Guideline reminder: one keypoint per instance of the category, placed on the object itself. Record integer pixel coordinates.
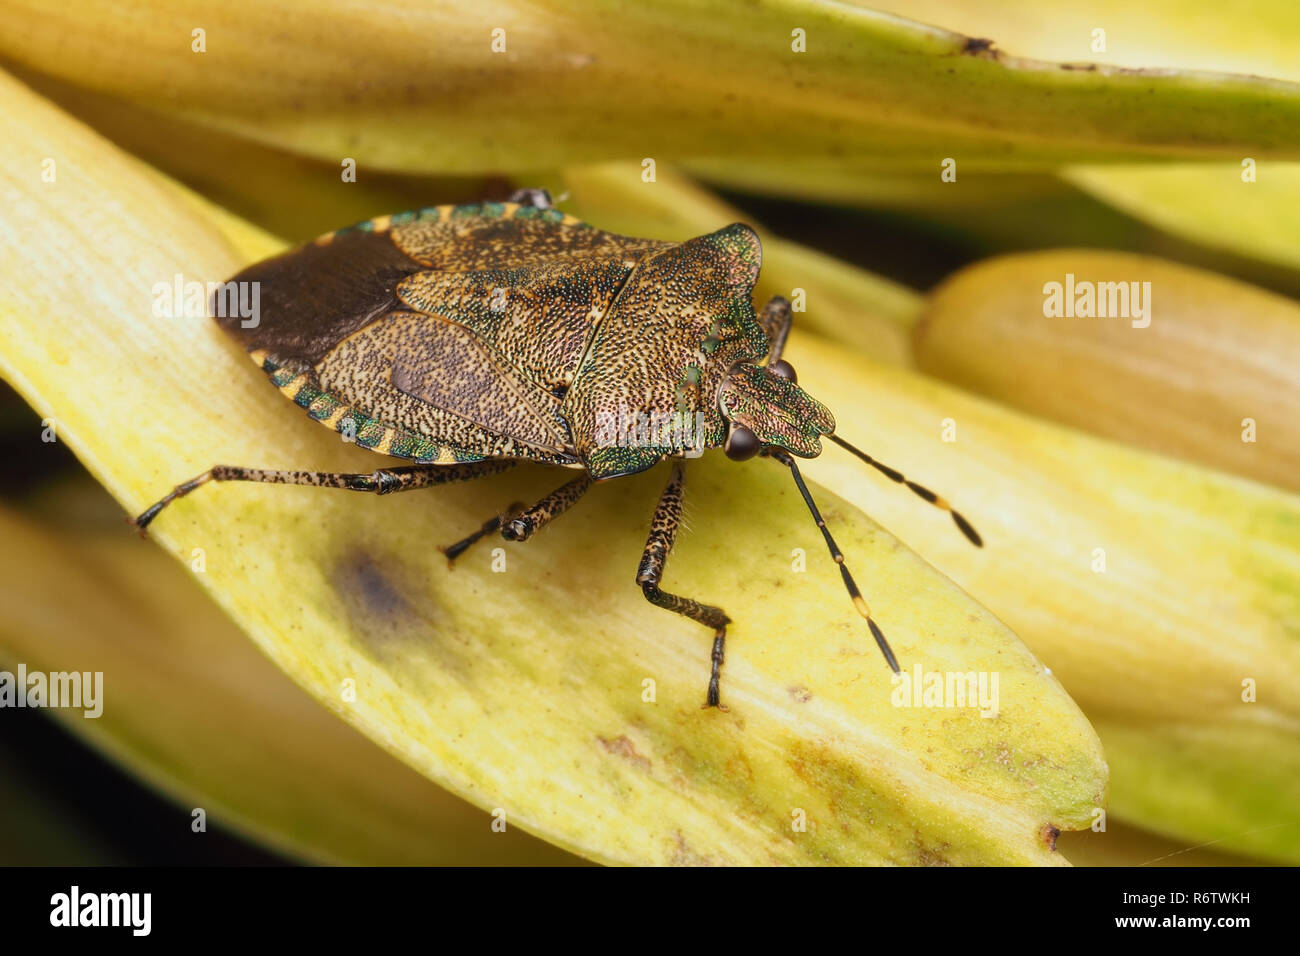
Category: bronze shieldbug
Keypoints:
(469, 338)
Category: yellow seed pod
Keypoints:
(1148, 352)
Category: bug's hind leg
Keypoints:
(663, 530)
(383, 482)
(518, 523)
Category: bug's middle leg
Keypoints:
(519, 523)
(491, 526)
(663, 530)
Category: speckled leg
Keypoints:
(663, 529)
(382, 482)
(776, 319)
(491, 526)
(519, 522)
(522, 525)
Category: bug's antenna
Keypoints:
(962, 524)
(838, 557)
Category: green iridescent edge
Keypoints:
(367, 431)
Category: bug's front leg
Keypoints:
(663, 530)
(776, 319)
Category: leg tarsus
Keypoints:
(491, 526)
(719, 654)
(141, 521)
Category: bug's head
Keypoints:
(764, 407)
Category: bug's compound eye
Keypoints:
(783, 369)
(742, 444)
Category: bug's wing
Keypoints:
(495, 347)
(311, 298)
(509, 295)
(438, 379)
(537, 319)
(679, 326)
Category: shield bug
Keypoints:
(468, 338)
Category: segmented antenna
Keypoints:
(838, 557)
(921, 491)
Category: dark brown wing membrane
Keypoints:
(314, 296)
